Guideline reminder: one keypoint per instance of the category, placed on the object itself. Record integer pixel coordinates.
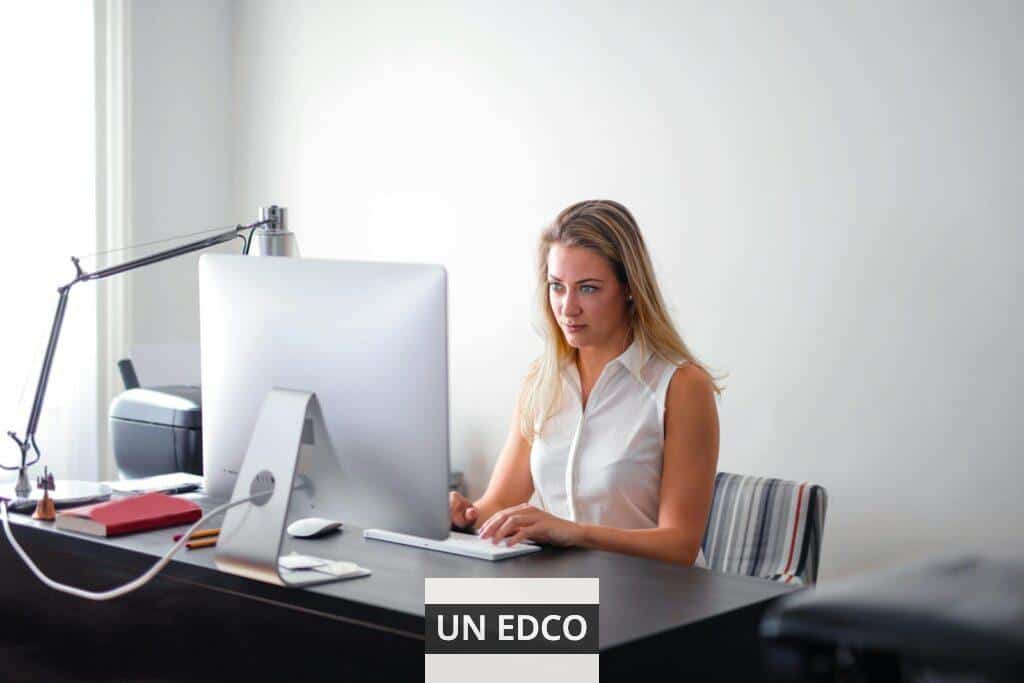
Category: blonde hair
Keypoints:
(609, 229)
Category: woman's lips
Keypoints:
(574, 328)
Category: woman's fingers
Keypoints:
(488, 526)
(498, 518)
(462, 512)
(511, 525)
(521, 535)
(506, 527)
(455, 507)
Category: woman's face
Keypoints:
(588, 301)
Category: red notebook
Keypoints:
(127, 515)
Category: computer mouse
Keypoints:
(312, 527)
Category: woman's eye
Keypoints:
(588, 289)
(555, 286)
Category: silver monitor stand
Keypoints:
(291, 458)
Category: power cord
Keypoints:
(131, 585)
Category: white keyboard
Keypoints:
(469, 545)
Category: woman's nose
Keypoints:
(571, 305)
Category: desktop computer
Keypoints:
(371, 341)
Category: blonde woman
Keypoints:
(616, 427)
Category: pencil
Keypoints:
(205, 543)
(204, 533)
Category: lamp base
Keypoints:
(68, 493)
(23, 488)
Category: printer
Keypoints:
(159, 430)
(155, 430)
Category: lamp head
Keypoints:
(274, 238)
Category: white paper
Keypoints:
(296, 561)
(342, 570)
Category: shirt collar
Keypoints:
(634, 358)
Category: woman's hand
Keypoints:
(463, 513)
(527, 522)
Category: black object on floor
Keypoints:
(956, 619)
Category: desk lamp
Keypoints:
(269, 236)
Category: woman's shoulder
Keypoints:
(690, 385)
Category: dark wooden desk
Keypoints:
(195, 622)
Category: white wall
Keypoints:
(831, 195)
(182, 173)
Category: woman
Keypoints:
(616, 427)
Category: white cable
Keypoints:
(131, 585)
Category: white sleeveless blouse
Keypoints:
(602, 465)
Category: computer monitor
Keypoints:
(370, 340)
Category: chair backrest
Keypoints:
(771, 528)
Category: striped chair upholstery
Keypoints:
(765, 527)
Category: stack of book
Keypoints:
(128, 515)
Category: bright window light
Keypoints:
(48, 170)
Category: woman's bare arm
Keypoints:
(511, 482)
(687, 482)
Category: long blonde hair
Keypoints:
(609, 229)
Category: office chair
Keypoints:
(770, 528)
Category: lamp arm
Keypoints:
(58, 321)
(198, 245)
